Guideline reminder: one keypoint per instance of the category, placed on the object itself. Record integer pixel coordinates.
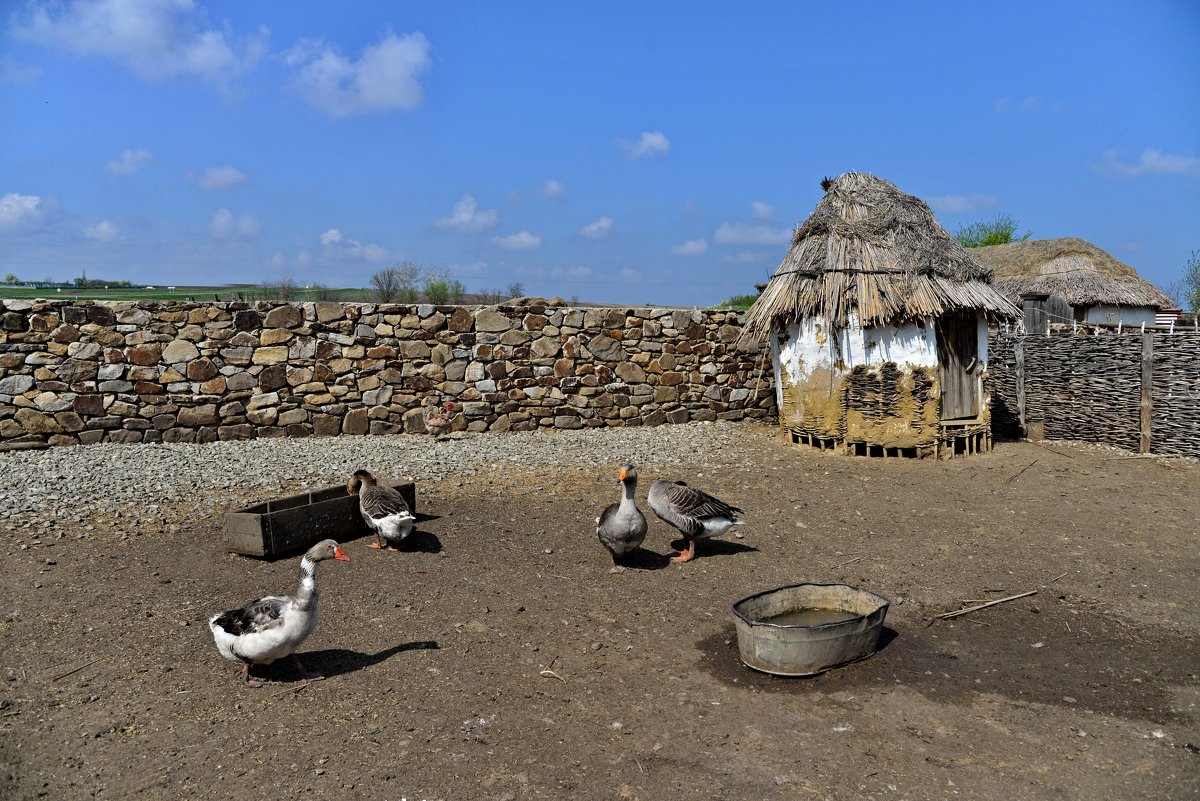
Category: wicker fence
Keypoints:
(1133, 389)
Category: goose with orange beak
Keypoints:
(621, 527)
(275, 626)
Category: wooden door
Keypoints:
(958, 359)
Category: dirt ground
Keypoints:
(435, 657)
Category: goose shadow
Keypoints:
(339, 661)
(643, 559)
(421, 542)
(715, 547)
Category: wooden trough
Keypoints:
(281, 526)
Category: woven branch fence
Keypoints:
(1136, 390)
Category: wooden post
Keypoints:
(1019, 352)
(1147, 379)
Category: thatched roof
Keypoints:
(1077, 271)
(872, 250)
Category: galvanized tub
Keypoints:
(806, 650)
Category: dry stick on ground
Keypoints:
(550, 674)
(1056, 578)
(948, 615)
(848, 562)
(1017, 474)
(74, 670)
(295, 689)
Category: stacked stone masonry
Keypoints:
(88, 372)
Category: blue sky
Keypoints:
(627, 152)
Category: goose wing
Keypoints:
(260, 615)
(379, 502)
(686, 508)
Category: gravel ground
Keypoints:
(68, 485)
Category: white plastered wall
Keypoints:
(808, 346)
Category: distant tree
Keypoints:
(1189, 295)
(322, 292)
(9, 278)
(457, 291)
(288, 289)
(516, 290)
(397, 284)
(285, 289)
(82, 279)
(999, 231)
(490, 296)
(738, 302)
(437, 286)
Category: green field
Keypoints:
(197, 293)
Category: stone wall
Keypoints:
(87, 372)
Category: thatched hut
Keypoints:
(1054, 274)
(877, 320)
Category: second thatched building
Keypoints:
(877, 320)
(1060, 281)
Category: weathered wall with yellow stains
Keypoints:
(877, 385)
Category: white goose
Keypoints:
(384, 510)
(274, 627)
(621, 527)
(696, 514)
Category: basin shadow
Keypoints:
(1024, 657)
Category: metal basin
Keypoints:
(808, 649)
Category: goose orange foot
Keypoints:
(685, 556)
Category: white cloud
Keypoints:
(629, 274)
(218, 177)
(16, 73)
(743, 257)
(553, 188)
(598, 229)
(22, 212)
(226, 225)
(519, 241)
(1152, 162)
(103, 231)
(577, 272)
(129, 162)
(745, 234)
(961, 204)
(692, 247)
(762, 211)
(338, 245)
(155, 39)
(648, 144)
(1133, 247)
(467, 218)
(383, 79)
